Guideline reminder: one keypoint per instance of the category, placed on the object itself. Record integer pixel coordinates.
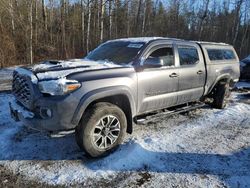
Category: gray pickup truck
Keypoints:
(102, 95)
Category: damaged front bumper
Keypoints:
(51, 115)
(18, 112)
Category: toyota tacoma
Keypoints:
(102, 95)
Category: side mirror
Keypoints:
(153, 62)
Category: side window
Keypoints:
(215, 54)
(220, 54)
(188, 55)
(228, 54)
(165, 54)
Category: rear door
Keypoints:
(192, 72)
(158, 87)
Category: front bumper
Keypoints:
(60, 119)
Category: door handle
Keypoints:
(173, 75)
(200, 72)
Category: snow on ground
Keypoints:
(202, 148)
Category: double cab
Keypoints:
(101, 95)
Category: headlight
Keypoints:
(58, 87)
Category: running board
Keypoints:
(141, 120)
(61, 133)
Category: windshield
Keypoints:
(119, 52)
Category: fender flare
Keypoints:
(224, 76)
(94, 95)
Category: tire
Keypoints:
(101, 129)
(221, 96)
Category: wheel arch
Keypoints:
(120, 96)
(226, 78)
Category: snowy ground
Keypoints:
(203, 148)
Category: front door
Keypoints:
(158, 86)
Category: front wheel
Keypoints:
(221, 96)
(101, 129)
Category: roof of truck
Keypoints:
(212, 43)
(150, 39)
(139, 39)
(145, 39)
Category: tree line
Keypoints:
(35, 30)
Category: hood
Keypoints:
(59, 69)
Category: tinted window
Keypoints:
(120, 52)
(188, 55)
(165, 54)
(220, 54)
(228, 54)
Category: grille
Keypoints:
(21, 89)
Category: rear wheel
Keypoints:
(101, 129)
(221, 95)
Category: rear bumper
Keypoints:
(59, 119)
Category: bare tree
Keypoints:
(82, 23)
(203, 17)
(128, 17)
(36, 23)
(88, 26)
(138, 16)
(31, 31)
(110, 18)
(102, 20)
(44, 15)
(144, 17)
(237, 19)
(117, 2)
(51, 17)
(63, 32)
(246, 30)
(12, 16)
(97, 20)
